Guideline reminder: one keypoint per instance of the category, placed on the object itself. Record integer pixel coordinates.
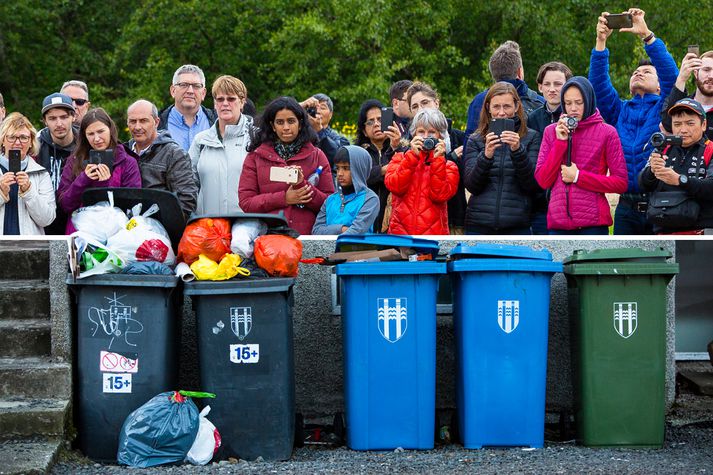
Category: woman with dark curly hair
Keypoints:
(284, 138)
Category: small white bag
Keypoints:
(207, 441)
(244, 232)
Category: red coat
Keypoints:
(257, 194)
(420, 193)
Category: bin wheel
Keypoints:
(339, 427)
(299, 430)
(454, 429)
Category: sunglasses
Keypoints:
(80, 102)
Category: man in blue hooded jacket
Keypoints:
(635, 119)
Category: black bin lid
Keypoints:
(273, 221)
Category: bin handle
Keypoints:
(196, 394)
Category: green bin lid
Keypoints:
(627, 254)
(621, 261)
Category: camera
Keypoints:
(429, 143)
(660, 141)
(312, 111)
(571, 123)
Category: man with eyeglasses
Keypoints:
(79, 92)
(57, 142)
(187, 117)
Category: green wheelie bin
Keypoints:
(617, 306)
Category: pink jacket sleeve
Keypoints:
(70, 189)
(616, 181)
(550, 159)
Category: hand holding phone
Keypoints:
(694, 49)
(619, 21)
(102, 157)
(287, 175)
(15, 161)
(387, 118)
(498, 126)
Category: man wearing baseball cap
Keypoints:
(686, 167)
(57, 142)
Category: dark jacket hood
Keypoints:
(585, 87)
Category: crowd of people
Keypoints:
(526, 164)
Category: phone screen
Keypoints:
(387, 118)
(618, 21)
(104, 156)
(15, 161)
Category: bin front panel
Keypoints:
(126, 354)
(389, 330)
(500, 327)
(619, 341)
(246, 358)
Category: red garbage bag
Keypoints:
(209, 236)
(278, 255)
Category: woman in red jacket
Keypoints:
(421, 180)
(283, 137)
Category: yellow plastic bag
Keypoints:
(229, 267)
(204, 268)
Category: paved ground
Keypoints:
(688, 450)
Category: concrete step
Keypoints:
(24, 298)
(28, 456)
(24, 259)
(33, 417)
(24, 338)
(35, 377)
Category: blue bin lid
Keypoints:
(386, 241)
(499, 251)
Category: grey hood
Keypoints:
(359, 165)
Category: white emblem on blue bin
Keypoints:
(508, 315)
(241, 321)
(393, 318)
(625, 318)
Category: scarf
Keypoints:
(288, 150)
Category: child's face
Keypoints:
(344, 174)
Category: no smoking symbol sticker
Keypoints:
(116, 363)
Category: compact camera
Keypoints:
(571, 123)
(660, 141)
(429, 143)
(312, 111)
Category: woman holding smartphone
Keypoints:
(283, 137)
(500, 165)
(27, 202)
(97, 133)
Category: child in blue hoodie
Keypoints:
(354, 207)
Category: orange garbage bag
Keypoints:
(278, 255)
(208, 236)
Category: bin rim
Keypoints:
(618, 254)
(391, 268)
(388, 241)
(272, 220)
(498, 251)
(622, 268)
(125, 280)
(504, 265)
(238, 286)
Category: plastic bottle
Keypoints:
(313, 180)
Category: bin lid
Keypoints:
(170, 214)
(125, 280)
(272, 220)
(499, 251)
(238, 286)
(366, 242)
(391, 268)
(628, 254)
(504, 265)
(623, 261)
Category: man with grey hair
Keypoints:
(505, 65)
(79, 93)
(2, 108)
(187, 116)
(162, 162)
(320, 110)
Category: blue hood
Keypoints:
(585, 87)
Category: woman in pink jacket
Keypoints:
(577, 202)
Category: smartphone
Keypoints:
(284, 174)
(694, 49)
(619, 20)
(14, 159)
(497, 126)
(387, 118)
(104, 156)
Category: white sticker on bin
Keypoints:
(116, 383)
(244, 353)
(113, 362)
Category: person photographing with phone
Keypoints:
(421, 180)
(97, 162)
(27, 201)
(580, 159)
(499, 166)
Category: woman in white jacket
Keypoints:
(218, 153)
(27, 202)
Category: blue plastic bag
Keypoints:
(159, 432)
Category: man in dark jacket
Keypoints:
(57, 142)
(505, 65)
(702, 70)
(329, 141)
(163, 164)
(187, 117)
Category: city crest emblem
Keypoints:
(625, 318)
(241, 321)
(508, 315)
(392, 318)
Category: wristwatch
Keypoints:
(682, 180)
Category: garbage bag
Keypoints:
(141, 244)
(161, 431)
(100, 221)
(278, 255)
(95, 258)
(207, 269)
(207, 441)
(147, 268)
(208, 236)
(204, 268)
(145, 222)
(244, 232)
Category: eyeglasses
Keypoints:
(186, 85)
(80, 102)
(230, 99)
(371, 122)
(21, 138)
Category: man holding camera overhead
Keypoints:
(635, 119)
(320, 109)
(681, 173)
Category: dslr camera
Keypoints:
(429, 143)
(660, 141)
(571, 123)
(312, 111)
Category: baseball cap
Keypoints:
(690, 104)
(57, 100)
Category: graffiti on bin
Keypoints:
(625, 318)
(241, 321)
(508, 315)
(392, 318)
(115, 321)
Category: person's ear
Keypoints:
(521, 73)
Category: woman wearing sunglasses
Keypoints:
(218, 153)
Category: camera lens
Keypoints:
(429, 143)
(571, 123)
(312, 111)
(658, 139)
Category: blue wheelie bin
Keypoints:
(501, 313)
(389, 331)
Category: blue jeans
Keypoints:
(539, 223)
(588, 231)
(627, 220)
